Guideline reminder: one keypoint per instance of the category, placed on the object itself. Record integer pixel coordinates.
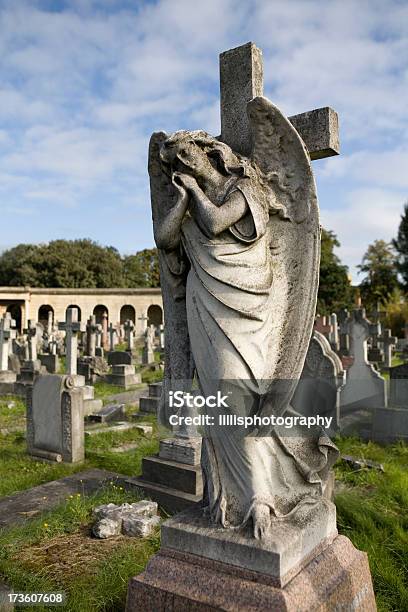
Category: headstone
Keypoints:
(7, 376)
(388, 342)
(105, 341)
(234, 328)
(365, 387)
(334, 332)
(50, 361)
(124, 376)
(344, 339)
(55, 420)
(31, 332)
(318, 391)
(129, 328)
(71, 327)
(92, 327)
(149, 405)
(161, 337)
(110, 412)
(119, 358)
(112, 336)
(399, 386)
(148, 349)
(144, 320)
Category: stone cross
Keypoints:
(31, 332)
(129, 327)
(105, 330)
(6, 333)
(49, 323)
(92, 328)
(144, 320)
(344, 338)
(388, 343)
(72, 327)
(13, 330)
(241, 79)
(334, 332)
(112, 333)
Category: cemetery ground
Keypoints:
(53, 551)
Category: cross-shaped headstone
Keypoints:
(112, 333)
(129, 327)
(72, 327)
(50, 323)
(92, 328)
(241, 79)
(6, 333)
(388, 341)
(334, 332)
(31, 332)
(13, 330)
(344, 338)
(144, 321)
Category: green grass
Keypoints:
(12, 412)
(56, 553)
(373, 512)
(104, 390)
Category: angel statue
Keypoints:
(239, 247)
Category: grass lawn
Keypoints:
(373, 512)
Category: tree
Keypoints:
(335, 291)
(379, 266)
(142, 269)
(400, 244)
(62, 263)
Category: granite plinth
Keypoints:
(337, 578)
(169, 498)
(124, 376)
(184, 477)
(289, 546)
(148, 405)
(182, 450)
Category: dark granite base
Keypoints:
(337, 579)
(171, 500)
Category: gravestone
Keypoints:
(55, 420)
(149, 404)
(32, 367)
(129, 328)
(112, 337)
(72, 328)
(399, 386)
(110, 412)
(7, 376)
(388, 342)
(124, 376)
(318, 391)
(365, 387)
(203, 563)
(92, 327)
(148, 349)
(334, 332)
(119, 358)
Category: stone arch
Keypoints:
(127, 313)
(99, 311)
(16, 314)
(154, 315)
(74, 306)
(43, 314)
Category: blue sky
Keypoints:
(84, 83)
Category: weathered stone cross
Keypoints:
(144, 320)
(92, 328)
(6, 333)
(31, 332)
(388, 341)
(71, 327)
(241, 79)
(129, 326)
(112, 332)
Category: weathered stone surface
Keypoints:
(337, 579)
(399, 386)
(184, 477)
(124, 376)
(318, 391)
(181, 450)
(137, 526)
(286, 548)
(119, 358)
(119, 426)
(107, 527)
(319, 130)
(390, 425)
(110, 412)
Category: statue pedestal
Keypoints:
(232, 572)
(334, 576)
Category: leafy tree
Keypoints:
(335, 290)
(396, 313)
(400, 244)
(62, 263)
(379, 266)
(142, 269)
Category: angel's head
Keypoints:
(197, 153)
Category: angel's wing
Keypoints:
(178, 363)
(281, 154)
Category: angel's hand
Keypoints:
(185, 180)
(182, 191)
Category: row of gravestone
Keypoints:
(24, 358)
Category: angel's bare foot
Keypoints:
(261, 517)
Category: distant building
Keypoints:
(139, 305)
